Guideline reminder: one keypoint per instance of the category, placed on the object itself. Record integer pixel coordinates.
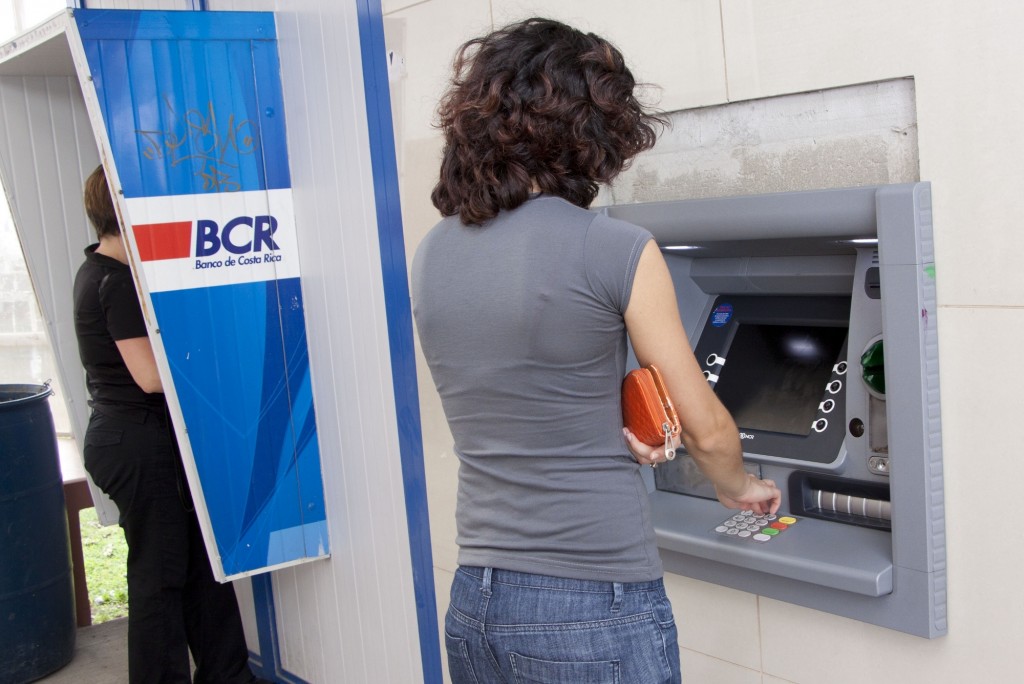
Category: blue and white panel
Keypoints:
(192, 107)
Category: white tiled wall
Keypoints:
(433, 30)
(965, 61)
(717, 621)
(768, 679)
(687, 68)
(789, 46)
(699, 667)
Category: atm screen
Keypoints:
(775, 375)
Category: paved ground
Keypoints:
(101, 656)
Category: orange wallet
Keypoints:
(647, 409)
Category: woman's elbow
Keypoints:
(151, 385)
(720, 439)
(708, 446)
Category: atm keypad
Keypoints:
(752, 527)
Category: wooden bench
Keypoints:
(77, 498)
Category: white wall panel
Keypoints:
(732, 636)
(699, 667)
(247, 609)
(52, 255)
(433, 32)
(394, 5)
(794, 45)
(352, 618)
(676, 46)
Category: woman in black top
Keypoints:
(174, 603)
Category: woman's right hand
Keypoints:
(758, 496)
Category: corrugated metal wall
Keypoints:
(47, 149)
(42, 123)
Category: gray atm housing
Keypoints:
(865, 482)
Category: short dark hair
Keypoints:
(99, 205)
(536, 101)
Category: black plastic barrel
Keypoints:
(37, 597)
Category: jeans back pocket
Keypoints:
(460, 667)
(534, 671)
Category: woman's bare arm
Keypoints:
(137, 353)
(708, 430)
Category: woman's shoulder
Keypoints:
(609, 224)
(591, 219)
(608, 233)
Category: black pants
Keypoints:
(174, 603)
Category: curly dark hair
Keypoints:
(537, 102)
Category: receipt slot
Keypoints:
(813, 316)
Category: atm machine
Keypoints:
(813, 316)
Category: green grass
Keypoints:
(106, 557)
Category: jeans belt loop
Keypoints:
(617, 591)
(486, 587)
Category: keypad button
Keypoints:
(747, 525)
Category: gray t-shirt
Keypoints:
(521, 323)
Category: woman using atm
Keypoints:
(523, 300)
(174, 603)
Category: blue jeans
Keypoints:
(517, 628)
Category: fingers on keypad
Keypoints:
(747, 525)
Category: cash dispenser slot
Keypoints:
(852, 502)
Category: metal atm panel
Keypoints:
(824, 304)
